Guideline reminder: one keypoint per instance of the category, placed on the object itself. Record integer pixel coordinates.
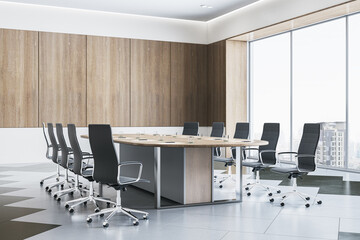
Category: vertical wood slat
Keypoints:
(150, 83)
(108, 81)
(188, 83)
(18, 78)
(216, 82)
(62, 78)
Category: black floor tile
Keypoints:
(13, 230)
(9, 213)
(9, 189)
(349, 236)
(4, 200)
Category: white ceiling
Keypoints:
(177, 9)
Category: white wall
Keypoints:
(261, 14)
(65, 20)
(27, 145)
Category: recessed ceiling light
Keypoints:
(205, 6)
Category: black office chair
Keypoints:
(54, 157)
(266, 157)
(241, 132)
(48, 155)
(67, 163)
(191, 128)
(305, 162)
(217, 131)
(108, 170)
(81, 167)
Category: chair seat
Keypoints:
(224, 160)
(288, 170)
(127, 179)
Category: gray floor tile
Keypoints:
(349, 236)
(257, 236)
(350, 225)
(305, 226)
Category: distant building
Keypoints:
(331, 147)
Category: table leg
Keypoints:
(157, 176)
(100, 191)
(239, 173)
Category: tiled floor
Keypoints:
(27, 210)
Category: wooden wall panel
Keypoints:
(150, 83)
(216, 82)
(236, 85)
(62, 78)
(108, 81)
(188, 83)
(18, 78)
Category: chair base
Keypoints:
(294, 192)
(257, 183)
(118, 209)
(90, 198)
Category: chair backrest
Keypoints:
(74, 143)
(242, 130)
(308, 145)
(191, 128)
(48, 145)
(55, 147)
(104, 153)
(63, 145)
(271, 132)
(217, 129)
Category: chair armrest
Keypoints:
(265, 151)
(304, 155)
(128, 164)
(245, 149)
(282, 153)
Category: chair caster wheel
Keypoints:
(58, 199)
(67, 206)
(57, 179)
(319, 202)
(41, 183)
(71, 193)
(49, 190)
(283, 196)
(271, 200)
(107, 204)
(89, 220)
(248, 184)
(135, 223)
(307, 205)
(105, 224)
(247, 189)
(46, 188)
(221, 186)
(98, 195)
(278, 191)
(97, 210)
(62, 186)
(307, 198)
(101, 215)
(80, 186)
(282, 204)
(55, 196)
(145, 217)
(85, 203)
(270, 194)
(71, 210)
(249, 193)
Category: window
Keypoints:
(354, 89)
(318, 66)
(270, 98)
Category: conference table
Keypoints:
(179, 167)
